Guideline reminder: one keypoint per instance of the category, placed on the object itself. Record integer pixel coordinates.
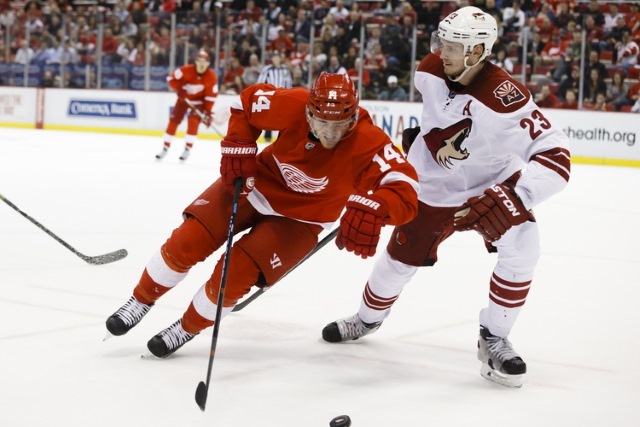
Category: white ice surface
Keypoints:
(579, 331)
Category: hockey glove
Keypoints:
(361, 224)
(408, 136)
(239, 161)
(207, 118)
(493, 213)
(182, 94)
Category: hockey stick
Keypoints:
(322, 243)
(203, 119)
(203, 387)
(95, 260)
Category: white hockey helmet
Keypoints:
(469, 26)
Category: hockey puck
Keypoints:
(340, 421)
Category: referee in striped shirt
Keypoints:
(276, 74)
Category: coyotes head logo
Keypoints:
(445, 145)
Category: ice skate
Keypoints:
(347, 329)
(169, 340)
(500, 362)
(162, 153)
(127, 316)
(185, 154)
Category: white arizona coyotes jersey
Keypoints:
(482, 134)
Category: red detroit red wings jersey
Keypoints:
(475, 136)
(202, 89)
(299, 179)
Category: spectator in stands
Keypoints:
(282, 43)
(339, 12)
(562, 15)
(354, 75)
(594, 62)
(375, 62)
(601, 103)
(48, 79)
(24, 54)
(563, 67)
(235, 69)
(300, 31)
(611, 17)
(615, 35)
(320, 12)
(396, 50)
(534, 50)
(127, 51)
(501, 59)
(618, 91)
(393, 92)
(596, 37)
(252, 71)
(594, 12)
(272, 11)
(634, 94)
(428, 13)
(251, 12)
(636, 106)
(65, 54)
(571, 82)
(592, 86)
(129, 27)
(632, 19)
(571, 100)
(334, 66)
(553, 50)
(109, 47)
(545, 98)
(627, 51)
(513, 18)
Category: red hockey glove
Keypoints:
(238, 161)
(182, 94)
(493, 213)
(361, 224)
(207, 118)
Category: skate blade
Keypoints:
(149, 356)
(511, 381)
(107, 336)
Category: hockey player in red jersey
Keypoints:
(328, 156)
(199, 84)
(485, 156)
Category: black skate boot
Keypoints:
(127, 316)
(500, 362)
(169, 340)
(347, 329)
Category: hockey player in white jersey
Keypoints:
(485, 156)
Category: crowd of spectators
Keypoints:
(538, 39)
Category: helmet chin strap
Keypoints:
(467, 68)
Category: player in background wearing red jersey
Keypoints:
(485, 156)
(199, 84)
(329, 155)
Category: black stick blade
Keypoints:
(106, 258)
(201, 395)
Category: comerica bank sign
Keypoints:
(113, 109)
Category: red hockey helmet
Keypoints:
(333, 97)
(332, 108)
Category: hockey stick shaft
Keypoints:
(203, 387)
(95, 260)
(200, 114)
(321, 244)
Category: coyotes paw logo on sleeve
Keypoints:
(445, 145)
